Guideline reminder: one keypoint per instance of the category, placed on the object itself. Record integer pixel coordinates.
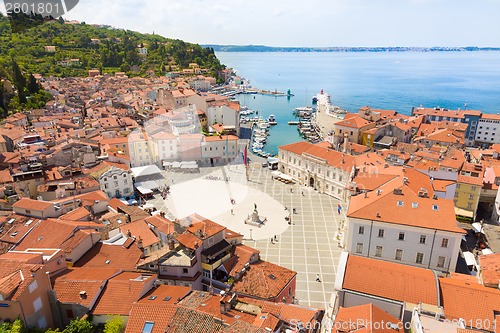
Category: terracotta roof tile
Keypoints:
(69, 285)
(118, 256)
(159, 314)
(120, 292)
(490, 270)
(264, 280)
(435, 214)
(407, 283)
(364, 319)
(192, 321)
(479, 309)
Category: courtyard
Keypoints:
(307, 244)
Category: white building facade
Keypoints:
(117, 183)
(407, 228)
(488, 130)
(323, 169)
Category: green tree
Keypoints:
(3, 107)
(18, 327)
(33, 86)
(79, 326)
(19, 81)
(114, 325)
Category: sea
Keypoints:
(383, 80)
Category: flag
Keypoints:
(245, 155)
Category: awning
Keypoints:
(477, 227)
(143, 190)
(463, 212)
(470, 259)
(150, 185)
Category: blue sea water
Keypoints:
(384, 80)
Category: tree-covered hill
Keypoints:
(93, 46)
(59, 48)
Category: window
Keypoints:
(148, 327)
(32, 287)
(401, 236)
(414, 205)
(42, 322)
(184, 271)
(125, 182)
(471, 196)
(400, 203)
(381, 232)
(469, 205)
(422, 239)
(37, 304)
(441, 261)
(399, 254)
(210, 241)
(435, 207)
(420, 258)
(70, 314)
(458, 185)
(444, 242)
(115, 177)
(456, 194)
(28, 211)
(359, 248)
(378, 251)
(340, 178)
(361, 230)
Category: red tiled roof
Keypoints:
(118, 256)
(479, 309)
(264, 280)
(416, 211)
(389, 280)
(120, 292)
(331, 157)
(69, 285)
(31, 204)
(365, 319)
(490, 270)
(159, 314)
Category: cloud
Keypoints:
(304, 23)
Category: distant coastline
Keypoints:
(263, 48)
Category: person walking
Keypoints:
(317, 278)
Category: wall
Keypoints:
(410, 245)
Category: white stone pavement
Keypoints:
(210, 196)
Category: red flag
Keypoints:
(245, 155)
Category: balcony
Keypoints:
(210, 265)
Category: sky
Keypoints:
(311, 23)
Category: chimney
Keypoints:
(83, 294)
(171, 244)
(129, 234)
(378, 215)
(139, 243)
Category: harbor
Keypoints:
(275, 122)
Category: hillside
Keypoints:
(58, 48)
(93, 46)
